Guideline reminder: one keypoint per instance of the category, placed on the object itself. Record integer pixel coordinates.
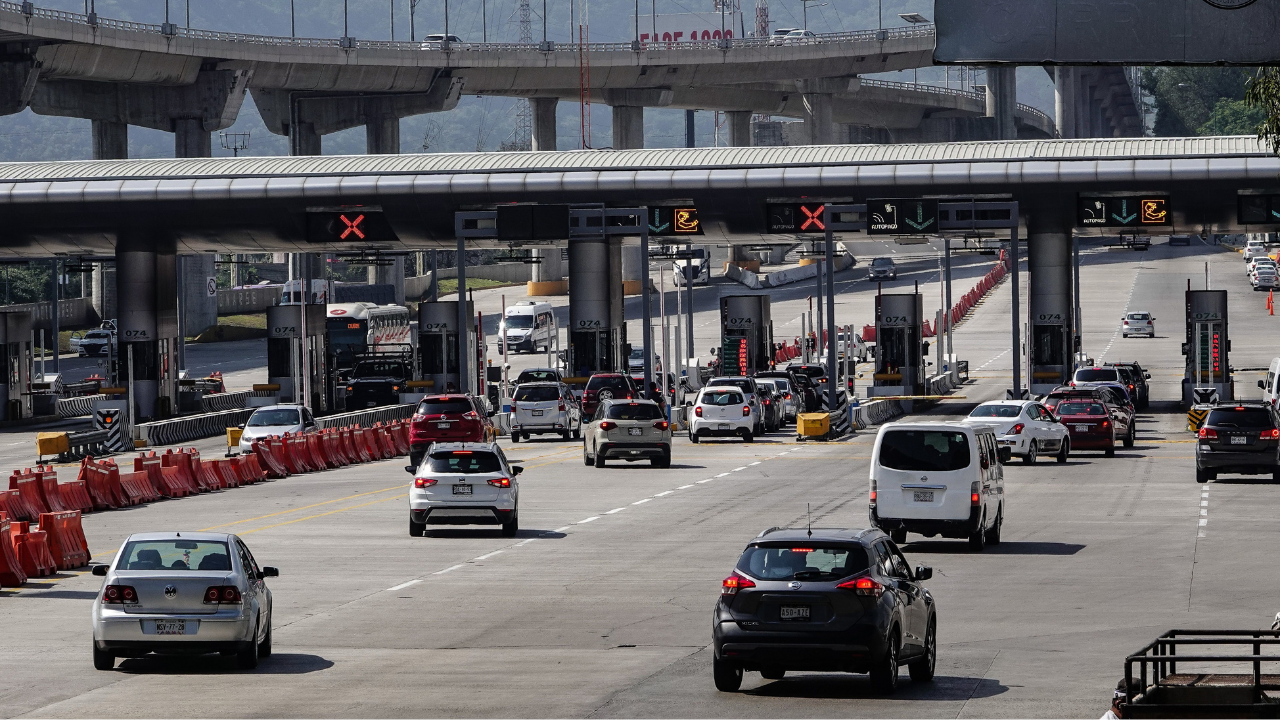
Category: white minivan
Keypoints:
(529, 327)
(1271, 385)
(938, 478)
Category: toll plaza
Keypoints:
(746, 334)
(1207, 349)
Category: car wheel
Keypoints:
(1202, 476)
(993, 535)
(417, 529)
(577, 433)
(728, 677)
(515, 437)
(599, 458)
(884, 675)
(103, 660)
(693, 437)
(1110, 452)
(264, 647)
(773, 674)
(747, 437)
(1030, 457)
(564, 435)
(922, 670)
(898, 536)
(586, 459)
(509, 528)
(1133, 431)
(247, 657)
(978, 540)
(526, 437)
(1065, 451)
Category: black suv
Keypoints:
(1238, 437)
(1135, 378)
(825, 600)
(375, 383)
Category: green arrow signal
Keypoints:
(919, 223)
(1124, 217)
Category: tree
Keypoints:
(1233, 117)
(1186, 98)
(1263, 95)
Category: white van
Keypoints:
(938, 478)
(530, 326)
(1271, 386)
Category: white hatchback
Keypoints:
(1138, 323)
(721, 412)
(544, 407)
(464, 484)
(1026, 427)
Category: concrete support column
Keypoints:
(628, 127)
(110, 140)
(739, 128)
(304, 139)
(821, 128)
(146, 286)
(190, 139)
(382, 135)
(550, 268)
(1002, 100)
(104, 290)
(1052, 337)
(1064, 104)
(390, 274)
(543, 110)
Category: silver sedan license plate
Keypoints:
(722, 426)
(794, 612)
(170, 627)
(461, 489)
(537, 413)
(1238, 440)
(923, 496)
(635, 431)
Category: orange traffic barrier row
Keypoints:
(284, 455)
(66, 539)
(31, 547)
(11, 574)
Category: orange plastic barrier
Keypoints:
(382, 441)
(315, 445)
(49, 488)
(17, 507)
(293, 457)
(99, 493)
(11, 574)
(66, 539)
(170, 486)
(181, 461)
(28, 486)
(401, 436)
(137, 487)
(335, 446)
(209, 474)
(359, 438)
(348, 445)
(31, 547)
(265, 450)
(227, 472)
(75, 496)
(251, 465)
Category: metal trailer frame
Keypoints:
(1161, 655)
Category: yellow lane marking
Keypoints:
(304, 507)
(323, 514)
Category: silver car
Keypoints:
(627, 430)
(182, 593)
(544, 407)
(275, 420)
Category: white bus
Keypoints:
(355, 328)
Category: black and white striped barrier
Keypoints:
(840, 424)
(191, 427)
(77, 406)
(217, 402)
(83, 444)
(366, 418)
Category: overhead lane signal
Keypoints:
(1123, 211)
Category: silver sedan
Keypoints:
(187, 593)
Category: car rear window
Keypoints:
(444, 406)
(927, 450)
(463, 462)
(803, 562)
(537, 376)
(1096, 375)
(175, 555)
(996, 410)
(1139, 316)
(634, 411)
(537, 394)
(723, 398)
(742, 384)
(613, 383)
(1250, 417)
(272, 418)
(1081, 408)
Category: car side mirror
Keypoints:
(516, 469)
(101, 570)
(1146, 375)
(923, 572)
(410, 469)
(241, 426)
(269, 571)
(1005, 454)
(1262, 385)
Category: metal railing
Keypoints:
(942, 90)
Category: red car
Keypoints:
(606, 386)
(1089, 423)
(448, 418)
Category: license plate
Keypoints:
(444, 425)
(537, 413)
(923, 496)
(722, 426)
(794, 612)
(635, 431)
(1238, 440)
(461, 489)
(1082, 428)
(170, 627)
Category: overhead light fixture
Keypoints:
(914, 18)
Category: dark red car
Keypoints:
(1089, 422)
(606, 386)
(448, 418)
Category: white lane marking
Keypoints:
(402, 586)
(525, 542)
(1203, 522)
(994, 358)
(722, 475)
(562, 529)
(1204, 503)
(1119, 327)
(684, 487)
(593, 517)
(754, 463)
(744, 467)
(641, 502)
(615, 510)
(1204, 511)
(704, 481)
(448, 569)
(486, 557)
(661, 494)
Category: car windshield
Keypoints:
(444, 406)
(637, 353)
(996, 410)
(811, 562)
(634, 411)
(273, 417)
(1139, 316)
(882, 261)
(97, 335)
(1096, 374)
(742, 384)
(378, 370)
(927, 450)
(537, 394)
(721, 398)
(598, 382)
(1080, 408)
(782, 385)
(463, 462)
(519, 322)
(1244, 417)
(537, 376)
(174, 555)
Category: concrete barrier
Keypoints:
(217, 402)
(366, 418)
(759, 281)
(191, 427)
(77, 406)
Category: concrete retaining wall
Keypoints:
(514, 272)
(191, 427)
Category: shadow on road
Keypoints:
(842, 686)
(277, 664)
(1008, 547)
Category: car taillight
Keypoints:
(628, 396)
(1272, 434)
(863, 586)
(1106, 424)
(1016, 429)
(661, 425)
(788, 396)
(746, 410)
(119, 595)
(222, 595)
(734, 583)
(424, 482)
(351, 388)
(513, 406)
(417, 417)
(472, 415)
(560, 407)
(975, 497)
(698, 411)
(1126, 322)
(500, 482)
(608, 425)
(873, 492)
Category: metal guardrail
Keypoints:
(90, 442)
(365, 418)
(942, 90)
(77, 406)
(191, 427)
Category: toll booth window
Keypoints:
(633, 411)
(439, 353)
(537, 394)
(924, 450)
(1050, 348)
(893, 355)
(146, 362)
(279, 355)
(465, 463)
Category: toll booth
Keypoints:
(285, 351)
(439, 349)
(597, 331)
(1207, 349)
(746, 334)
(900, 353)
(18, 359)
(1051, 352)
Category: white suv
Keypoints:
(544, 407)
(751, 395)
(722, 412)
(464, 484)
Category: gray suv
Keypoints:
(1240, 438)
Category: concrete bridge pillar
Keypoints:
(1002, 101)
(544, 122)
(821, 128)
(304, 139)
(389, 274)
(550, 267)
(190, 139)
(382, 135)
(147, 292)
(1065, 101)
(110, 140)
(739, 128)
(628, 127)
(1052, 338)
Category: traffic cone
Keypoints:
(1271, 302)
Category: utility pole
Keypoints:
(524, 111)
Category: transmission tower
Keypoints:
(524, 113)
(762, 18)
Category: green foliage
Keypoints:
(1186, 98)
(1233, 117)
(1264, 96)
